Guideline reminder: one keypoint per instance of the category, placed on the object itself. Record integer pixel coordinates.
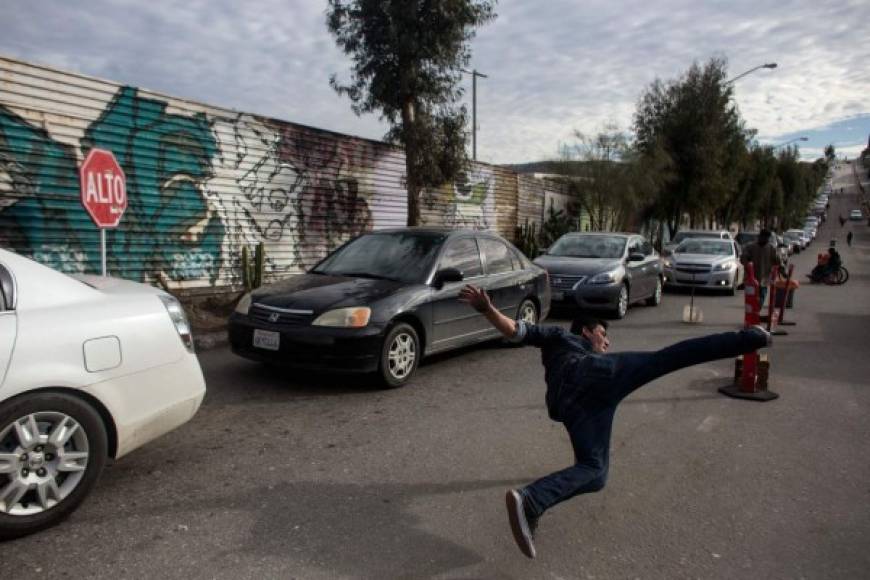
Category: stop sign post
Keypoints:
(103, 192)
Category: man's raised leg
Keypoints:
(635, 369)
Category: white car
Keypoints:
(90, 369)
(855, 214)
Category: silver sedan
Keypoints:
(704, 264)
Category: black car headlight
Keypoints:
(244, 304)
(356, 317)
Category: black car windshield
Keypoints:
(400, 256)
(581, 246)
(709, 247)
(745, 238)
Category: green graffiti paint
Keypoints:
(168, 226)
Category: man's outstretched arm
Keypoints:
(517, 332)
(478, 299)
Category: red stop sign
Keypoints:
(103, 187)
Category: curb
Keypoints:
(210, 340)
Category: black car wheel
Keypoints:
(400, 355)
(621, 303)
(731, 289)
(53, 448)
(656, 298)
(528, 312)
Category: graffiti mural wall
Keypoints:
(203, 183)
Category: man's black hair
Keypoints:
(588, 322)
(765, 233)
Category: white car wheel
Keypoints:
(53, 447)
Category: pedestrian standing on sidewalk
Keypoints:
(585, 384)
(849, 239)
(763, 255)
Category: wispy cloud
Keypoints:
(554, 66)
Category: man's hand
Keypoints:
(476, 297)
(479, 300)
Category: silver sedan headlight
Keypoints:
(357, 317)
(605, 277)
(668, 263)
(725, 266)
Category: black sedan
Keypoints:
(386, 299)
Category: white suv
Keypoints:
(90, 368)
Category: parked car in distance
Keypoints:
(705, 263)
(386, 299)
(69, 400)
(783, 248)
(687, 234)
(603, 271)
(795, 239)
(856, 214)
(744, 238)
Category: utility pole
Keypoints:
(474, 74)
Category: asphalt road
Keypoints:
(289, 476)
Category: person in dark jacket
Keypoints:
(585, 384)
(762, 253)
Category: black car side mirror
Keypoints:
(636, 257)
(447, 275)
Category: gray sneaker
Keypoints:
(523, 533)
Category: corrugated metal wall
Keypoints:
(203, 182)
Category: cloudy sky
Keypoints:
(554, 66)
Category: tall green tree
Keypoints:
(407, 56)
(755, 193)
(602, 182)
(614, 185)
(694, 121)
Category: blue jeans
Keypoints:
(762, 294)
(602, 387)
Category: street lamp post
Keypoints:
(752, 70)
(474, 74)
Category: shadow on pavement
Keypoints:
(353, 530)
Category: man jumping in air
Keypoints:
(584, 387)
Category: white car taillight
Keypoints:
(179, 319)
